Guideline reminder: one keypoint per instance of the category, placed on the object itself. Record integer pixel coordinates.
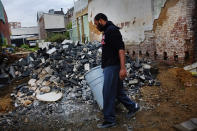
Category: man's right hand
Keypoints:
(123, 73)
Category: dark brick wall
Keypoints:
(4, 28)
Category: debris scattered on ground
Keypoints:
(190, 125)
(61, 69)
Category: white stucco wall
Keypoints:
(140, 15)
(54, 21)
(80, 5)
(24, 31)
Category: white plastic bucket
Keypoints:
(95, 79)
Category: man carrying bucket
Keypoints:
(113, 64)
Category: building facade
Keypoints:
(51, 22)
(14, 25)
(162, 30)
(80, 24)
(23, 35)
(4, 26)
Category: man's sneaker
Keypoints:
(133, 111)
(106, 124)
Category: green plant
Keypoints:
(69, 26)
(4, 44)
(24, 46)
(57, 37)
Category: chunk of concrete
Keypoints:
(192, 67)
(51, 51)
(87, 67)
(50, 97)
(146, 66)
(186, 126)
(133, 82)
(65, 46)
(12, 71)
(32, 82)
(66, 41)
(194, 121)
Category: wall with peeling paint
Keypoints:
(173, 34)
(133, 16)
(80, 5)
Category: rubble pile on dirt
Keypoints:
(61, 68)
(7, 73)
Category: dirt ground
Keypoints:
(173, 102)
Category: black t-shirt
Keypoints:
(111, 44)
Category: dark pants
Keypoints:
(113, 89)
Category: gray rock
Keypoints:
(4, 78)
(12, 71)
(51, 51)
(133, 82)
(186, 126)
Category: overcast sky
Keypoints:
(25, 11)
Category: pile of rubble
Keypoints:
(59, 69)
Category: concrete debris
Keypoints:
(191, 68)
(43, 45)
(67, 42)
(50, 97)
(56, 79)
(51, 51)
(61, 68)
(190, 125)
(32, 82)
(145, 66)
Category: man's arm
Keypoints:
(123, 71)
(116, 39)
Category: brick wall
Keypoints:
(4, 29)
(42, 31)
(194, 23)
(172, 37)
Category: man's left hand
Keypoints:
(123, 73)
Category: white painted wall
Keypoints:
(80, 5)
(54, 21)
(24, 31)
(140, 14)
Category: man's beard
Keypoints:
(100, 27)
